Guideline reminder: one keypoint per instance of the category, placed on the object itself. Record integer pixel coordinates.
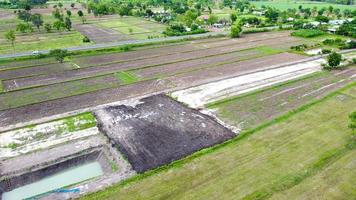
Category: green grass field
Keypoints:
(135, 27)
(285, 4)
(278, 159)
(42, 41)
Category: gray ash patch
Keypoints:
(158, 131)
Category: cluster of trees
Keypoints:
(16, 4)
(63, 22)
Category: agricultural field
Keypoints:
(98, 30)
(175, 65)
(38, 39)
(265, 162)
(285, 4)
(216, 117)
(135, 27)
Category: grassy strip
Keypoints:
(292, 180)
(1, 86)
(268, 50)
(233, 98)
(328, 158)
(126, 77)
(118, 49)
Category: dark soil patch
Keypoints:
(158, 131)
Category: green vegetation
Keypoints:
(287, 4)
(259, 163)
(352, 124)
(79, 122)
(126, 77)
(1, 86)
(268, 50)
(135, 27)
(44, 41)
(334, 60)
(335, 177)
(236, 30)
(307, 33)
(59, 54)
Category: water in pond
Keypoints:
(59, 180)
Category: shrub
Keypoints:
(236, 30)
(352, 117)
(126, 48)
(349, 45)
(353, 61)
(307, 33)
(86, 39)
(301, 47)
(59, 54)
(325, 51)
(333, 60)
(256, 30)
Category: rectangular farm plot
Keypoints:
(134, 27)
(35, 70)
(192, 65)
(100, 34)
(56, 91)
(159, 130)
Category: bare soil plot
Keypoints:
(26, 63)
(249, 111)
(6, 14)
(191, 46)
(158, 131)
(191, 65)
(99, 34)
(141, 63)
(132, 55)
(36, 70)
(231, 69)
(254, 37)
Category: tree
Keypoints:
(57, 14)
(233, 17)
(69, 13)
(37, 20)
(189, 17)
(81, 15)
(212, 19)
(72, 5)
(24, 15)
(23, 27)
(11, 37)
(68, 24)
(334, 59)
(236, 30)
(272, 14)
(48, 27)
(58, 25)
(321, 19)
(59, 54)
